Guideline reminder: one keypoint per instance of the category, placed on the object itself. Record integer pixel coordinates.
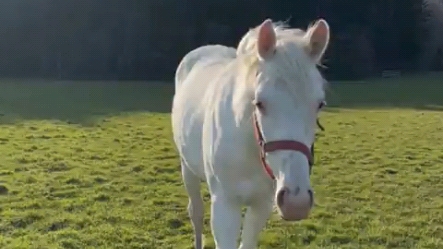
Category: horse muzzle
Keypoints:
(294, 205)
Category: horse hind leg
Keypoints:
(195, 205)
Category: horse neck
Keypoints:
(243, 129)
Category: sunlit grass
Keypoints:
(92, 165)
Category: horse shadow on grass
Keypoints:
(80, 102)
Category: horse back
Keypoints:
(192, 80)
(200, 55)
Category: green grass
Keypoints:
(92, 165)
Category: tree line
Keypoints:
(145, 39)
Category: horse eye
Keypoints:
(258, 104)
(321, 105)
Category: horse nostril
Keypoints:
(311, 196)
(280, 196)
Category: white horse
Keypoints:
(236, 111)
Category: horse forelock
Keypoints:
(291, 62)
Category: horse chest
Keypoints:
(240, 174)
(247, 191)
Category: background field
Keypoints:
(92, 165)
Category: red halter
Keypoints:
(278, 145)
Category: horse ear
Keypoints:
(267, 39)
(318, 39)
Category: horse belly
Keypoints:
(188, 114)
(187, 133)
(192, 152)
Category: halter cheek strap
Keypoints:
(272, 146)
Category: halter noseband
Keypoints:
(272, 146)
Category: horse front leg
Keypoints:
(225, 222)
(255, 220)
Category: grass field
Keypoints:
(92, 165)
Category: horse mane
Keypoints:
(248, 62)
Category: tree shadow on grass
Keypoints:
(83, 101)
(424, 93)
(80, 101)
